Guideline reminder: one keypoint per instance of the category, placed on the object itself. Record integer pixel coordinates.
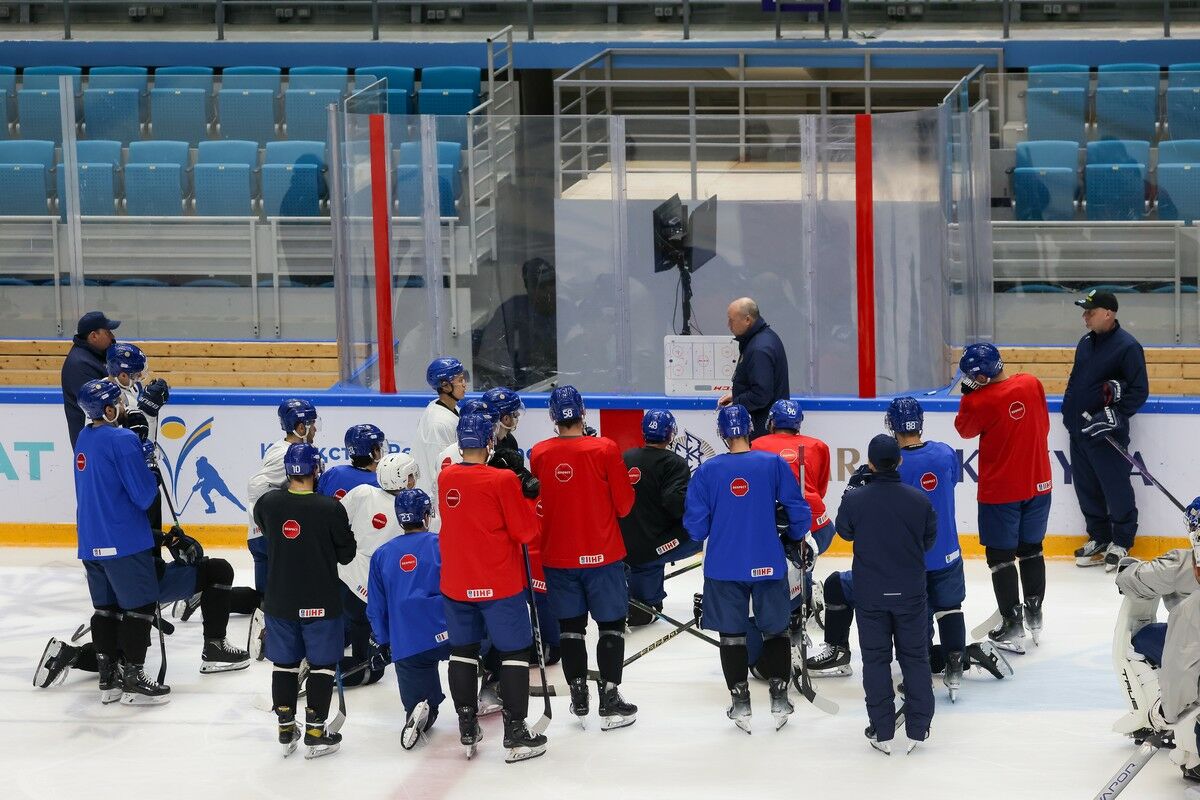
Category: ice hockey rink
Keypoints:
(1044, 733)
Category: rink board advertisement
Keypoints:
(210, 445)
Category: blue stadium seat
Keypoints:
(29, 151)
(1183, 112)
(409, 191)
(112, 114)
(1037, 288)
(306, 112)
(1117, 151)
(188, 78)
(293, 179)
(180, 114)
(1128, 75)
(1183, 75)
(40, 115)
(247, 114)
(98, 151)
(446, 101)
(401, 86)
(149, 283)
(449, 153)
(252, 78)
(1045, 193)
(156, 178)
(335, 78)
(225, 178)
(1048, 154)
(1056, 114)
(451, 78)
(1116, 191)
(1179, 191)
(99, 164)
(1185, 288)
(123, 78)
(8, 99)
(23, 189)
(210, 283)
(1059, 76)
(1180, 151)
(1111, 288)
(8, 281)
(1127, 112)
(47, 77)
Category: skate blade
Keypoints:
(1088, 562)
(743, 723)
(582, 719)
(128, 699)
(111, 696)
(781, 719)
(614, 721)
(1010, 647)
(232, 666)
(290, 747)
(837, 672)
(1036, 636)
(517, 754)
(470, 751)
(319, 750)
(410, 738)
(911, 746)
(882, 747)
(953, 694)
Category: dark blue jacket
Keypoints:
(761, 375)
(1115, 355)
(891, 525)
(83, 364)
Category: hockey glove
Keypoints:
(968, 385)
(183, 548)
(381, 655)
(1193, 514)
(1102, 423)
(861, 477)
(1110, 393)
(531, 487)
(136, 421)
(782, 523)
(588, 430)
(148, 454)
(803, 553)
(154, 396)
(698, 607)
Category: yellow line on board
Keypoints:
(38, 534)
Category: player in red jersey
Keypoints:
(1008, 413)
(485, 520)
(584, 489)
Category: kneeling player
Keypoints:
(307, 535)
(731, 503)
(408, 615)
(485, 522)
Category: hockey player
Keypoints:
(364, 445)
(436, 428)
(307, 536)
(408, 614)
(113, 490)
(485, 521)
(653, 529)
(451, 454)
(126, 365)
(731, 503)
(784, 438)
(1008, 413)
(371, 509)
(892, 527)
(584, 489)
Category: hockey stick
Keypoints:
(980, 630)
(163, 626)
(682, 570)
(340, 719)
(1117, 783)
(540, 726)
(1145, 472)
(800, 678)
(638, 604)
(183, 507)
(162, 644)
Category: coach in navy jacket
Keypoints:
(891, 525)
(85, 362)
(761, 375)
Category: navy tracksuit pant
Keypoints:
(1101, 479)
(904, 627)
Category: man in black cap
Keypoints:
(1108, 385)
(85, 362)
(891, 525)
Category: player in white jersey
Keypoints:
(438, 427)
(372, 512)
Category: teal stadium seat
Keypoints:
(1132, 75)
(1118, 151)
(1183, 112)
(47, 77)
(247, 114)
(180, 114)
(23, 190)
(225, 178)
(156, 179)
(1060, 76)
(306, 112)
(293, 181)
(1057, 114)
(39, 114)
(1116, 191)
(124, 78)
(1127, 112)
(1179, 180)
(188, 78)
(112, 114)
(401, 86)
(1183, 75)
(30, 152)
(308, 78)
(99, 164)
(270, 78)
(8, 100)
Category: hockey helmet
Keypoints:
(566, 404)
(301, 460)
(981, 360)
(785, 415)
(125, 357)
(395, 469)
(362, 440)
(412, 506)
(293, 412)
(904, 415)
(475, 431)
(658, 425)
(97, 395)
(733, 421)
(503, 402)
(444, 370)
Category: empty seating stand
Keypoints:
(26, 176)
(409, 188)
(401, 86)
(156, 179)
(293, 179)
(1179, 180)
(1056, 114)
(226, 178)
(1116, 176)
(99, 164)
(1046, 180)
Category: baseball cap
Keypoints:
(95, 321)
(884, 452)
(1094, 299)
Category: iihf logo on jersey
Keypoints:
(692, 447)
(208, 480)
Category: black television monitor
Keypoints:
(702, 234)
(670, 235)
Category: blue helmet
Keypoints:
(904, 415)
(474, 431)
(97, 395)
(361, 440)
(981, 359)
(786, 415)
(444, 370)
(301, 459)
(295, 411)
(124, 357)
(733, 421)
(476, 406)
(658, 425)
(412, 505)
(503, 402)
(566, 404)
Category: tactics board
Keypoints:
(699, 365)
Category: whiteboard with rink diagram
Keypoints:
(699, 365)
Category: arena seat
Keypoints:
(1119, 151)
(1179, 191)
(112, 114)
(188, 78)
(1111, 288)
(401, 86)
(1127, 112)
(23, 190)
(312, 78)
(31, 151)
(293, 182)
(39, 114)
(8, 98)
(1131, 75)
(123, 78)
(1183, 75)
(409, 188)
(1183, 111)
(1060, 76)
(99, 164)
(47, 77)
(247, 114)
(150, 283)
(156, 178)
(225, 175)
(1046, 180)
(270, 78)
(1057, 114)
(1037, 288)
(306, 112)
(1169, 288)
(468, 78)
(180, 114)
(1115, 191)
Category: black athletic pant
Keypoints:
(1102, 484)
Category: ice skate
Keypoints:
(1033, 618)
(289, 730)
(257, 636)
(522, 743)
(56, 661)
(883, 747)
(952, 676)
(739, 708)
(489, 695)
(319, 740)
(615, 712)
(986, 656)
(912, 744)
(220, 656)
(137, 689)
(1113, 556)
(183, 610)
(1010, 633)
(469, 733)
(110, 680)
(1090, 555)
(781, 704)
(414, 726)
(832, 662)
(579, 699)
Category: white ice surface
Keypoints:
(1045, 733)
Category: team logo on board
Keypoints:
(929, 481)
(291, 529)
(1016, 410)
(408, 562)
(635, 475)
(453, 498)
(379, 521)
(739, 487)
(564, 473)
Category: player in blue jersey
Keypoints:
(731, 503)
(113, 489)
(365, 445)
(407, 614)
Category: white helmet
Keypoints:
(394, 469)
